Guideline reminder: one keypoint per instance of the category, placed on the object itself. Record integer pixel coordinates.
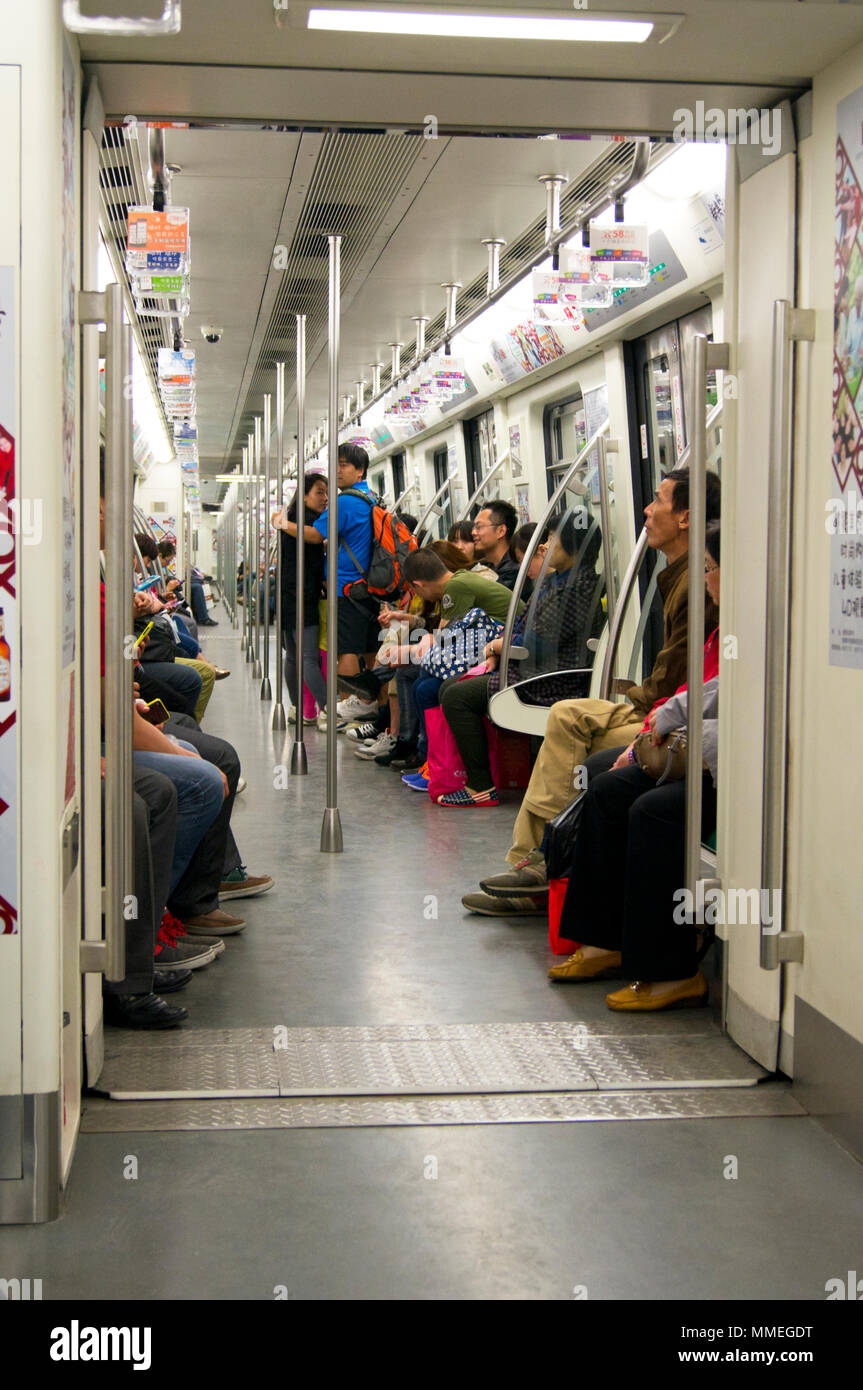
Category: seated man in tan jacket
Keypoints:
(577, 728)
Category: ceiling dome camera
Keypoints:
(211, 334)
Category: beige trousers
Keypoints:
(575, 729)
(208, 680)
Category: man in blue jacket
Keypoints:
(358, 627)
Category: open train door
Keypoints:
(760, 273)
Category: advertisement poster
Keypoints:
(515, 451)
(846, 481)
(9, 643)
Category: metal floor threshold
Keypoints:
(332, 1112)
(477, 1060)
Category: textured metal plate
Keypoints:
(418, 1059)
(104, 1117)
(221, 1068)
(475, 1058)
(627, 1064)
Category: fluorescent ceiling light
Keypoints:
(692, 168)
(438, 24)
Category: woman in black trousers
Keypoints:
(624, 899)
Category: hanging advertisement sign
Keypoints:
(157, 241)
(845, 508)
(619, 254)
(10, 645)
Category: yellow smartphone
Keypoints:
(146, 633)
(157, 712)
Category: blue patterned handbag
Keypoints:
(460, 646)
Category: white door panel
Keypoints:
(765, 257)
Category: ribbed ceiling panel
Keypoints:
(356, 178)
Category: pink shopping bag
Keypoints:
(446, 772)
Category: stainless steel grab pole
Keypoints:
(256, 544)
(331, 830)
(109, 956)
(432, 506)
(627, 584)
(705, 355)
(464, 514)
(579, 462)
(604, 448)
(299, 756)
(247, 586)
(266, 689)
(279, 721)
(789, 325)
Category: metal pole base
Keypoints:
(257, 668)
(266, 689)
(250, 655)
(300, 768)
(331, 832)
(279, 720)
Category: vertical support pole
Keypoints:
(279, 721)
(604, 448)
(331, 830)
(495, 246)
(705, 355)
(299, 756)
(257, 669)
(420, 346)
(377, 368)
(266, 689)
(247, 557)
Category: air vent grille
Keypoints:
(356, 176)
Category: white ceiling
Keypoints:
(749, 41)
(237, 185)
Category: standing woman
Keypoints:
(315, 492)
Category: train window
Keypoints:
(565, 430)
(440, 461)
(379, 485)
(398, 463)
(480, 448)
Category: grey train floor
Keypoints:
(465, 1211)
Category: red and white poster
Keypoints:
(9, 644)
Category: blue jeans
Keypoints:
(409, 724)
(198, 602)
(426, 693)
(184, 683)
(313, 675)
(200, 793)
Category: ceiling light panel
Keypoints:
(422, 21)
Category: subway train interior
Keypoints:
(529, 304)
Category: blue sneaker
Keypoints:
(416, 781)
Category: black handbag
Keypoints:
(558, 842)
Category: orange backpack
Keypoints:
(392, 542)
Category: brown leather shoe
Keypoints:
(643, 998)
(215, 923)
(594, 968)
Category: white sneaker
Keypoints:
(321, 722)
(372, 749)
(355, 708)
(363, 733)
